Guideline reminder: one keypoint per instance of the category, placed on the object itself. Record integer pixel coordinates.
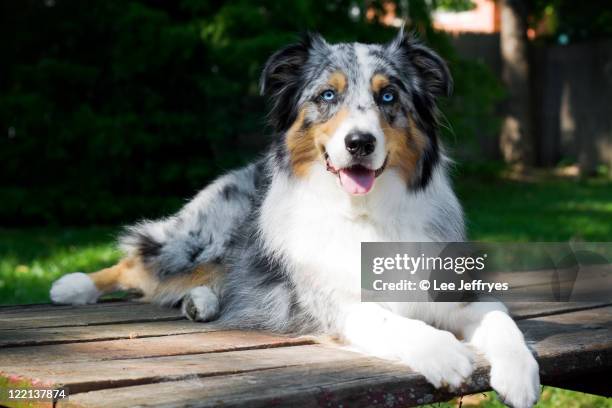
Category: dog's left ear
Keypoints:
(431, 68)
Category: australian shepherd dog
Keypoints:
(275, 245)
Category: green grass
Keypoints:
(550, 398)
(30, 259)
(497, 209)
(550, 210)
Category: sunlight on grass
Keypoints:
(552, 210)
(550, 398)
(31, 259)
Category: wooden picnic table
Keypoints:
(125, 354)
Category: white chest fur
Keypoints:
(318, 228)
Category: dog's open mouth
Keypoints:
(357, 179)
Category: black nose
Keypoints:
(360, 143)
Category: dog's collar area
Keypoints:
(335, 171)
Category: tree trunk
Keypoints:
(516, 139)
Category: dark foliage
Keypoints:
(110, 108)
(574, 20)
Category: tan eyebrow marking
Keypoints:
(338, 81)
(378, 82)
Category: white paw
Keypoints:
(74, 289)
(516, 378)
(200, 304)
(439, 357)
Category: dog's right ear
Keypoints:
(283, 77)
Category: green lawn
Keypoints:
(551, 209)
(550, 398)
(30, 259)
(497, 210)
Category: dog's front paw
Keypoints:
(200, 304)
(440, 358)
(74, 289)
(516, 379)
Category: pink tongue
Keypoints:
(357, 180)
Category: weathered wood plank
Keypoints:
(59, 335)
(351, 383)
(39, 306)
(104, 313)
(571, 343)
(566, 345)
(181, 344)
(528, 310)
(50, 316)
(85, 376)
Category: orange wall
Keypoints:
(484, 18)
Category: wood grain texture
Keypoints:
(49, 316)
(179, 344)
(352, 383)
(85, 376)
(527, 310)
(69, 316)
(164, 363)
(62, 334)
(566, 345)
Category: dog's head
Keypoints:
(357, 109)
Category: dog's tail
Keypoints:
(168, 257)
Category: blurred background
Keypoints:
(115, 110)
(112, 111)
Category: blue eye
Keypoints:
(387, 97)
(328, 95)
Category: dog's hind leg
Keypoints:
(167, 258)
(202, 232)
(130, 274)
(79, 288)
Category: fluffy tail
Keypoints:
(168, 257)
(200, 233)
